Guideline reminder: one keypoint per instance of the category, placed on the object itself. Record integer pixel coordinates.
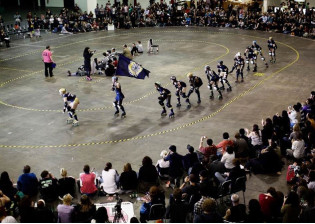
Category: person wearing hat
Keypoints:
(272, 46)
(195, 83)
(71, 103)
(176, 166)
(190, 159)
(65, 210)
(223, 73)
(165, 94)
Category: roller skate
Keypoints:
(187, 100)
(248, 69)
(222, 88)
(116, 114)
(199, 101)
(123, 115)
(255, 70)
(211, 97)
(75, 123)
(267, 65)
(178, 105)
(220, 97)
(163, 113)
(89, 78)
(229, 89)
(188, 106)
(171, 115)
(69, 120)
(274, 61)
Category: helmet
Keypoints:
(62, 91)
(114, 78)
(220, 62)
(189, 75)
(238, 54)
(173, 78)
(270, 38)
(207, 67)
(254, 42)
(157, 83)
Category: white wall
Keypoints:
(82, 4)
(54, 3)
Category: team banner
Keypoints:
(127, 67)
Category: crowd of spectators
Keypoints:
(196, 180)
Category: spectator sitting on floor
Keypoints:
(64, 30)
(66, 210)
(298, 147)
(228, 158)
(267, 202)
(210, 214)
(291, 208)
(255, 137)
(6, 185)
(176, 167)
(85, 210)
(204, 192)
(101, 216)
(126, 52)
(48, 187)
(43, 214)
(224, 143)
(27, 210)
(27, 182)
(140, 47)
(163, 166)
(66, 185)
(147, 176)
(190, 159)
(109, 180)
(128, 180)
(134, 50)
(255, 214)
(177, 210)
(237, 213)
(190, 187)
(208, 183)
(241, 147)
(110, 69)
(208, 150)
(88, 181)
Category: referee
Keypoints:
(48, 61)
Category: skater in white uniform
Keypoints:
(71, 103)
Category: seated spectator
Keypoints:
(307, 214)
(3, 200)
(85, 210)
(128, 180)
(214, 165)
(43, 214)
(190, 159)
(190, 187)
(126, 52)
(291, 208)
(5, 218)
(206, 182)
(204, 192)
(267, 203)
(228, 158)
(110, 179)
(311, 180)
(177, 210)
(163, 166)
(255, 137)
(209, 150)
(255, 214)
(66, 210)
(64, 29)
(100, 216)
(48, 187)
(241, 147)
(155, 196)
(134, 50)
(110, 69)
(298, 147)
(147, 176)
(6, 185)
(88, 181)
(210, 214)
(267, 131)
(66, 185)
(237, 213)
(225, 142)
(27, 182)
(294, 115)
(27, 210)
(140, 47)
(176, 166)
(235, 173)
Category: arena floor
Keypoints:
(34, 129)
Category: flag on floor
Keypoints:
(127, 67)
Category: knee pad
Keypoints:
(115, 104)
(68, 108)
(161, 103)
(270, 53)
(263, 58)
(72, 111)
(197, 90)
(210, 87)
(252, 61)
(168, 105)
(247, 61)
(177, 94)
(273, 54)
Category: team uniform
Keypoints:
(213, 79)
(239, 64)
(272, 46)
(180, 90)
(258, 49)
(119, 97)
(251, 57)
(165, 94)
(70, 104)
(223, 73)
(195, 83)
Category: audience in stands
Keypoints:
(88, 181)
(28, 182)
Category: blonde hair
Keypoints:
(67, 199)
(63, 172)
(296, 127)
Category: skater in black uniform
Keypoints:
(71, 103)
(251, 57)
(213, 80)
(258, 49)
(239, 64)
(165, 94)
(272, 46)
(180, 90)
(223, 73)
(195, 83)
(119, 97)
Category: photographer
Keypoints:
(87, 54)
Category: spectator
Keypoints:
(100, 216)
(87, 55)
(176, 166)
(3, 200)
(228, 158)
(190, 159)
(255, 214)
(126, 52)
(65, 210)
(48, 187)
(255, 137)
(6, 185)
(204, 192)
(66, 185)
(110, 179)
(140, 47)
(225, 142)
(291, 208)
(209, 150)
(128, 179)
(294, 115)
(190, 187)
(43, 214)
(240, 146)
(163, 166)
(237, 213)
(27, 211)
(209, 213)
(147, 175)
(298, 147)
(88, 181)
(206, 182)
(178, 209)
(311, 184)
(27, 182)
(235, 173)
(267, 131)
(267, 202)
(85, 211)
(5, 218)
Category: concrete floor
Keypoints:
(34, 130)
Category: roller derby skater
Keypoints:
(239, 65)
(223, 73)
(119, 97)
(213, 80)
(257, 48)
(272, 46)
(165, 94)
(195, 83)
(251, 58)
(71, 103)
(180, 91)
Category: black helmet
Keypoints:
(173, 78)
